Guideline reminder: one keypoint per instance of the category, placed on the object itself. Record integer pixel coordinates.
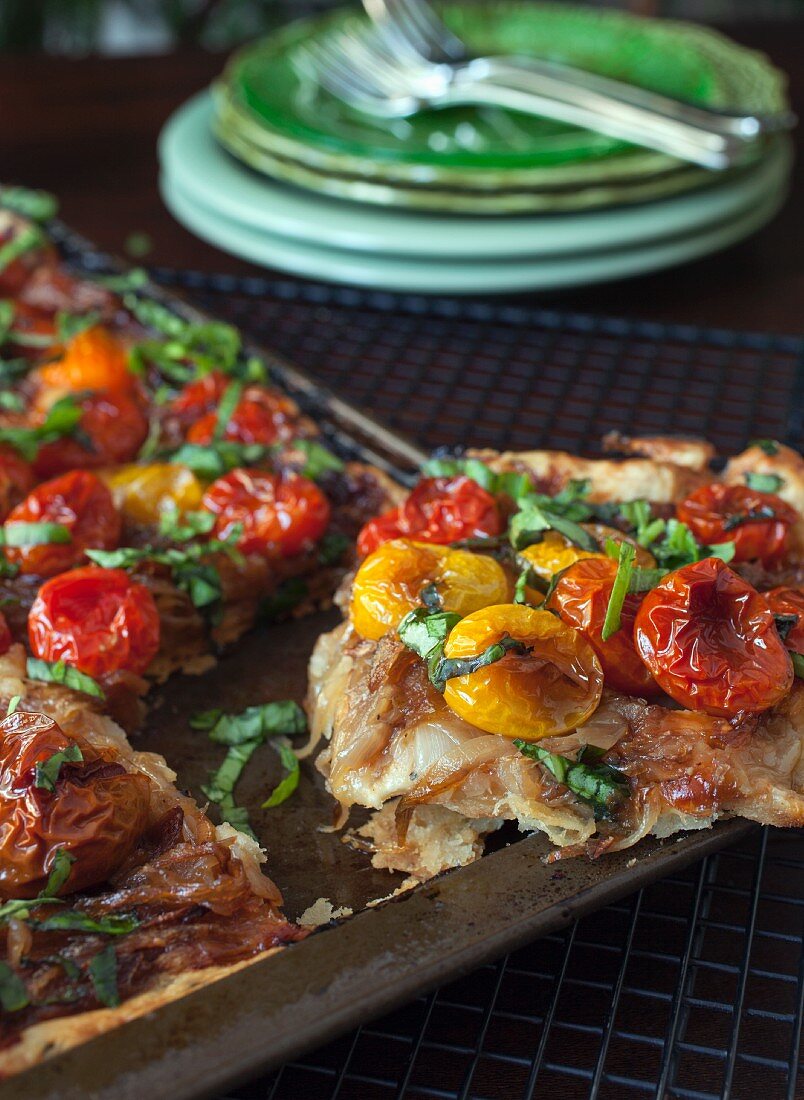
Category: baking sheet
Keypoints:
(366, 965)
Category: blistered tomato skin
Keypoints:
(440, 510)
(79, 501)
(281, 515)
(389, 583)
(145, 492)
(711, 642)
(581, 598)
(96, 814)
(16, 479)
(712, 513)
(551, 688)
(789, 601)
(98, 620)
(260, 418)
(93, 359)
(114, 426)
(553, 554)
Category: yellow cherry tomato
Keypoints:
(144, 493)
(550, 688)
(389, 583)
(553, 554)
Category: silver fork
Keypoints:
(362, 67)
(414, 28)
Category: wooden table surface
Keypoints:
(87, 129)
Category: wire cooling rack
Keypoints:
(694, 987)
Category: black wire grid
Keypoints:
(694, 987)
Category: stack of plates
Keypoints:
(270, 167)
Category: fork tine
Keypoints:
(420, 22)
(328, 66)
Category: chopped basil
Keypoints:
(619, 590)
(103, 973)
(522, 581)
(46, 772)
(319, 461)
(768, 446)
(34, 534)
(441, 669)
(123, 283)
(798, 664)
(512, 484)
(213, 460)
(189, 349)
(244, 733)
(285, 788)
(59, 873)
(753, 515)
(680, 547)
(638, 514)
(533, 518)
(425, 632)
(28, 238)
(29, 203)
(181, 527)
(14, 702)
(62, 419)
(784, 624)
(69, 325)
(764, 483)
(226, 408)
(332, 547)
(11, 402)
(20, 908)
(60, 673)
(288, 595)
(13, 992)
(600, 785)
(72, 920)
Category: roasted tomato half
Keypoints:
(111, 430)
(16, 479)
(81, 503)
(199, 397)
(711, 642)
(99, 620)
(389, 583)
(581, 597)
(94, 359)
(281, 515)
(95, 813)
(551, 685)
(260, 417)
(440, 509)
(144, 492)
(757, 523)
(789, 601)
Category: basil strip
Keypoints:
(226, 408)
(13, 703)
(764, 483)
(68, 325)
(319, 461)
(38, 205)
(767, 446)
(522, 581)
(182, 527)
(213, 460)
(440, 669)
(619, 590)
(27, 239)
(798, 664)
(753, 515)
(72, 920)
(600, 785)
(285, 788)
(34, 534)
(13, 991)
(424, 631)
(59, 873)
(62, 419)
(103, 973)
(46, 772)
(60, 673)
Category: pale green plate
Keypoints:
(410, 274)
(195, 163)
(266, 102)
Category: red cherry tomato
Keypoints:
(260, 417)
(757, 523)
(789, 601)
(281, 515)
(99, 620)
(96, 813)
(16, 479)
(710, 641)
(440, 509)
(581, 598)
(200, 396)
(114, 426)
(82, 503)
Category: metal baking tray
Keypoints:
(371, 962)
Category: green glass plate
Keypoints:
(271, 104)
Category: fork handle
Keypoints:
(623, 121)
(596, 92)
